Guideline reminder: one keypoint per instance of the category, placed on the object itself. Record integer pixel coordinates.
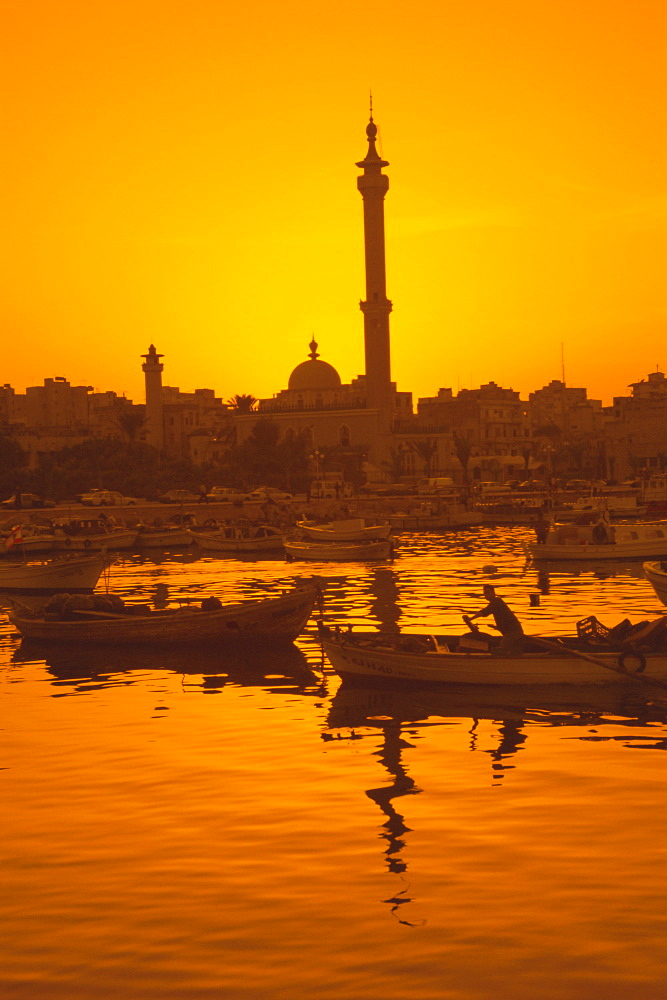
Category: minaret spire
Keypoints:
(373, 185)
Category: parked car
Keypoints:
(178, 496)
(577, 486)
(486, 488)
(269, 493)
(533, 486)
(108, 498)
(28, 500)
(226, 493)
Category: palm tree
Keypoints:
(427, 449)
(242, 402)
(463, 449)
(131, 419)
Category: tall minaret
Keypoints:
(152, 368)
(373, 185)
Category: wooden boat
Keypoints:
(380, 548)
(467, 660)
(273, 619)
(240, 539)
(656, 574)
(626, 541)
(437, 517)
(352, 529)
(71, 575)
(162, 536)
(92, 534)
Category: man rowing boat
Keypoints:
(506, 621)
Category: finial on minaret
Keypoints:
(313, 349)
(371, 114)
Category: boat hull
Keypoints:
(657, 577)
(339, 551)
(157, 539)
(351, 530)
(271, 620)
(96, 542)
(353, 658)
(75, 575)
(223, 542)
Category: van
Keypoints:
(325, 489)
(439, 484)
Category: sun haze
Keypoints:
(183, 174)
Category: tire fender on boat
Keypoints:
(632, 654)
(87, 543)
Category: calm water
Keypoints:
(245, 827)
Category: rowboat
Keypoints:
(468, 660)
(83, 620)
(163, 537)
(380, 548)
(656, 574)
(72, 575)
(239, 539)
(625, 541)
(351, 529)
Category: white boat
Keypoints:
(162, 537)
(92, 534)
(71, 575)
(352, 529)
(380, 548)
(626, 541)
(27, 538)
(240, 539)
(656, 574)
(453, 660)
(437, 517)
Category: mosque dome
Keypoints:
(314, 374)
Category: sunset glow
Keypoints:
(183, 174)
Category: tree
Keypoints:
(463, 449)
(131, 420)
(242, 403)
(427, 449)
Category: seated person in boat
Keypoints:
(601, 533)
(506, 621)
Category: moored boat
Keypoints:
(656, 574)
(623, 541)
(239, 539)
(380, 548)
(455, 660)
(72, 575)
(92, 534)
(352, 529)
(437, 517)
(83, 620)
(164, 536)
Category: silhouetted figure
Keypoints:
(506, 621)
(542, 526)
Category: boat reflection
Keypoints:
(400, 716)
(603, 569)
(279, 668)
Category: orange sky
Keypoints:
(183, 173)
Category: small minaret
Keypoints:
(152, 368)
(373, 185)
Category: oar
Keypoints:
(560, 647)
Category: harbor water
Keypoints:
(180, 825)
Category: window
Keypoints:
(344, 436)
